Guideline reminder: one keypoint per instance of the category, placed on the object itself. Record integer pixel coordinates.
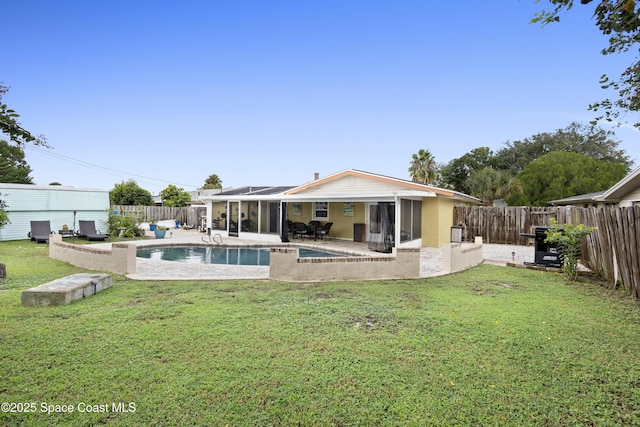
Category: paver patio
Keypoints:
(430, 264)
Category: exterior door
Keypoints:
(373, 217)
(273, 217)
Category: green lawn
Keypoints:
(490, 346)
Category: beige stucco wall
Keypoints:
(305, 212)
(264, 217)
(287, 266)
(121, 259)
(437, 219)
(218, 209)
(343, 225)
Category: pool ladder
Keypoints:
(216, 238)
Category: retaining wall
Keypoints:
(121, 259)
(456, 257)
(285, 263)
(287, 266)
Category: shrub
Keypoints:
(115, 223)
(568, 238)
(4, 216)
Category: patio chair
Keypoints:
(324, 230)
(40, 231)
(300, 229)
(89, 232)
(247, 225)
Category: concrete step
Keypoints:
(66, 289)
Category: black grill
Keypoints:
(546, 254)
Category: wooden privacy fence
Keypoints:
(190, 215)
(504, 225)
(612, 250)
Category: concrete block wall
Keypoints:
(287, 266)
(458, 257)
(121, 259)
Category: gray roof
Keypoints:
(582, 198)
(251, 190)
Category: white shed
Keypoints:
(61, 205)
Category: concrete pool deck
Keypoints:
(431, 261)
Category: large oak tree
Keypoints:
(589, 140)
(559, 174)
(13, 167)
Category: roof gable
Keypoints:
(363, 183)
(254, 190)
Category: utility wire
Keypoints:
(104, 169)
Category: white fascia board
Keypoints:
(358, 198)
(328, 197)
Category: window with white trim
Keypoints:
(321, 210)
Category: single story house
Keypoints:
(361, 206)
(624, 193)
(61, 205)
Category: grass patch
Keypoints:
(490, 346)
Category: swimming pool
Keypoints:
(220, 254)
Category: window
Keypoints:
(410, 220)
(321, 210)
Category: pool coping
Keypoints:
(263, 245)
(431, 264)
(161, 270)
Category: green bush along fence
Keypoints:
(190, 215)
(611, 250)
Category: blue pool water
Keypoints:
(220, 254)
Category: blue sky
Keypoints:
(269, 92)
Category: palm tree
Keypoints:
(423, 167)
(213, 181)
(489, 185)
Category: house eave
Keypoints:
(378, 197)
(621, 188)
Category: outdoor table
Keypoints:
(314, 230)
(66, 233)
